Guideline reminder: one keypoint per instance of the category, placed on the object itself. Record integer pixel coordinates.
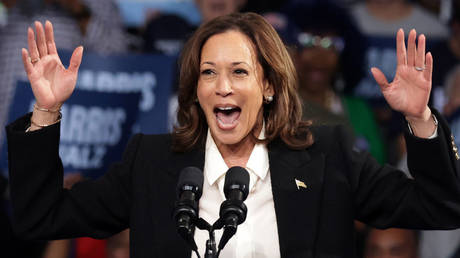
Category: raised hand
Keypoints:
(410, 89)
(51, 82)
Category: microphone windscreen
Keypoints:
(237, 178)
(190, 177)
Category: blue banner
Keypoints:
(114, 94)
(381, 53)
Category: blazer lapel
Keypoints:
(297, 178)
(171, 241)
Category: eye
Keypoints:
(240, 71)
(207, 72)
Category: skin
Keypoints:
(408, 93)
(391, 243)
(232, 76)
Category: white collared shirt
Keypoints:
(258, 235)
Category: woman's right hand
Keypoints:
(52, 84)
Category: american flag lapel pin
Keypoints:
(300, 184)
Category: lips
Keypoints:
(227, 116)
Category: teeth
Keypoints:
(225, 108)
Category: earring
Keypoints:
(268, 99)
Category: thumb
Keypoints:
(75, 60)
(380, 78)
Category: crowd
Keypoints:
(333, 44)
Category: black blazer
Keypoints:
(343, 184)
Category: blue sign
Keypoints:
(381, 53)
(113, 95)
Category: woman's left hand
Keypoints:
(410, 89)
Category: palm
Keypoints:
(410, 89)
(51, 83)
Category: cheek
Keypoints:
(255, 102)
(203, 93)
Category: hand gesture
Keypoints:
(410, 89)
(51, 82)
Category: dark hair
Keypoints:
(282, 116)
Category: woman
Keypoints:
(329, 53)
(237, 106)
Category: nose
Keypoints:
(223, 86)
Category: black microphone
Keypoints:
(189, 190)
(233, 211)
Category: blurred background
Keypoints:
(129, 75)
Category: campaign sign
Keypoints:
(95, 127)
(151, 75)
(113, 93)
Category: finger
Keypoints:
(32, 44)
(75, 60)
(401, 48)
(380, 78)
(49, 33)
(411, 50)
(28, 66)
(420, 58)
(41, 41)
(428, 72)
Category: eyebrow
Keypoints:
(233, 63)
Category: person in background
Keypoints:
(391, 243)
(328, 45)
(448, 52)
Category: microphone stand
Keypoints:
(211, 251)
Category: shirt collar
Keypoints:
(215, 166)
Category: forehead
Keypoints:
(230, 46)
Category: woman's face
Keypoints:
(231, 87)
(317, 67)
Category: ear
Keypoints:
(268, 89)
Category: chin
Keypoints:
(226, 137)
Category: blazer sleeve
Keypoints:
(384, 197)
(43, 209)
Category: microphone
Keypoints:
(233, 211)
(189, 190)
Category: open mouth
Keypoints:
(227, 116)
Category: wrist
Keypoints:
(42, 117)
(424, 126)
(424, 117)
